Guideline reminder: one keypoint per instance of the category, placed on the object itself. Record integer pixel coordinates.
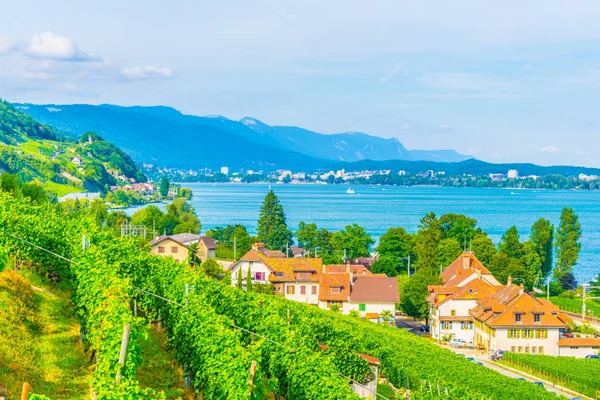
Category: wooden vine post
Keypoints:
(25, 391)
(123, 353)
(252, 373)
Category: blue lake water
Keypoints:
(378, 208)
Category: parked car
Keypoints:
(458, 342)
(520, 379)
(424, 328)
(497, 355)
(541, 384)
(592, 356)
(471, 358)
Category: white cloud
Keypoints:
(549, 149)
(147, 72)
(6, 45)
(463, 81)
(48, 45)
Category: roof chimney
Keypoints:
(478, 273)
(351, 278)
(466, 261)
(509, 281)
(521, 290)
(257, 245)
(324, 268)
(348, 267)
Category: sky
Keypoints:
(503, 81)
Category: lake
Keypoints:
(378, 208)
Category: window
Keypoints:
(527, 333)
(313, 290)
(513, 333)
(279, 274)
(259, 276)
(537, 318)
(279, 289)
(520, 349)
(573, 347)
(304, 276)
(526, 349)
(470, 324)
(453, 313)
(518, 318)
(362, 307)
(302, 289)
(447, 325)
(541, 333)
(290, 289)
(541, 350)
(335, 290)
(174, 249)
(161, 249)
(533, 350)
(513, 349)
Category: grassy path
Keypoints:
(39, 342)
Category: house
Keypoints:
(77, 160)
(355, 288)
(578, 347)
(205, 248)
(297, 251)
(512, 319)
(366, 261)
(465, 281)
(296, 278)
(176, 246)
(79, 196)
(254, 260)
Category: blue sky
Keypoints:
(504, 81)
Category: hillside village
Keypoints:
(471, 305)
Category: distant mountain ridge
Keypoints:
(165, 136)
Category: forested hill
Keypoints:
(36, 152)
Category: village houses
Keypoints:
(179, 246)
(473, 306)
(307, 280)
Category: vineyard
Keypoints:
(579, 374)
(231, 344)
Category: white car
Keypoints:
(458, 342)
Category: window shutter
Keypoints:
(450, 324)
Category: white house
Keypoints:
(254, 261)
(465, 281)
(513, 320)
(578, 347)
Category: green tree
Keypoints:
(499, 266)
(426, 243)
(396, 242)
(239, 278)
(150, 216)
(211, 268)
(387, 264)
(459, 227)
(272, 228)
(567, 242)
(483, 248)
(9, 183)
(3, 260)
(542, 233)
(510, 243)
(308, 236)
(448, 250)
(353, 240)
(164, 186)
(414, 297)
(186, 193)
(249, 280)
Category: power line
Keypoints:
(183, 305)
(39, 247)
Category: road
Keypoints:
(483, 357)
(413, 326)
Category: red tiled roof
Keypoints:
(375, 289)
(334, 280)
(457, 266)
(355, 269)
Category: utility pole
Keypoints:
(583, 306)
(409, 265)
(234, 249)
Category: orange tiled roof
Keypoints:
(499, 309)
(579, 342)
(457, 266)
(327, 281)
(355, 269)
(290, 266)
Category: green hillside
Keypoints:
(35, 152)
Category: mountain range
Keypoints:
(166, 137)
